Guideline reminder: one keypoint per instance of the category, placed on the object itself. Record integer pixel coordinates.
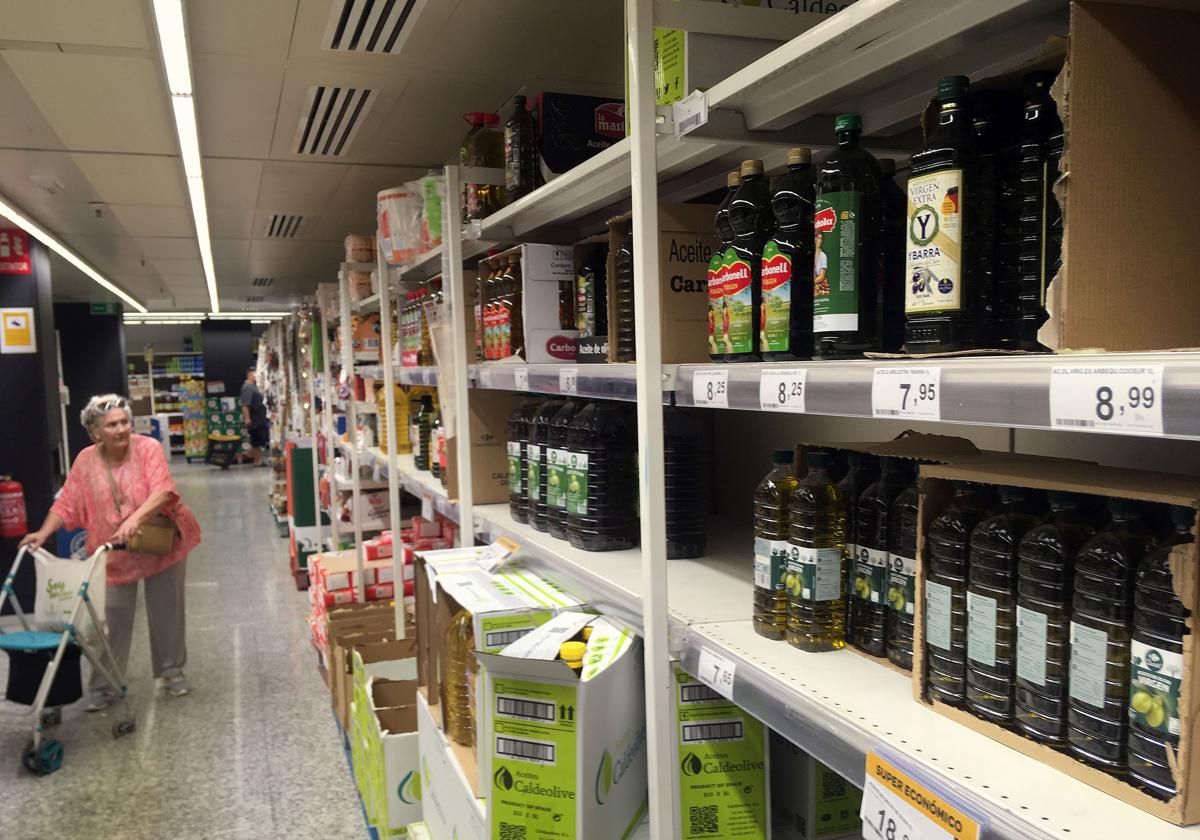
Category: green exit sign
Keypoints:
(104, 309)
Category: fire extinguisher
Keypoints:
(12, 508)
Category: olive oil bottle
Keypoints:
(862, 470)
(518, 438)
(817, 538)
(771, 548)
(868, 620)
(721, 258)
(537, 445)
(553, 516)
(752, 223)
(902, 575)
(785, 312)
(894, 217)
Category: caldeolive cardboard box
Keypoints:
(489, 458)
(567, 750)
(449, 806)
(387, 763)
(810, 801)
(1088, 479)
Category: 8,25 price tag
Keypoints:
(716, 672)
(568, 380)
(521, 378)
(711, 388)
(895, 806)
(1112, 398)
(907, 392)
(783, 389)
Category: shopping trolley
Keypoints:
(32, 647)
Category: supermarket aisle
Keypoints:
(253, 752)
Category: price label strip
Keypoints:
(907, 392)
(568, 380)
(715, 671)
(711, 388)
(1108, 398)
(783, 389)
(521, 378)
(896, 806)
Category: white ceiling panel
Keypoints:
(134, 179)
(276, 258)
(113, 254)
(299, 187)
(169, 269)
(165, 247)
(312, 19)
(144, 220)
(99, 103)
(229, 222)
(23, 125)
(231, 251)
(231, 182)
(112, 23)
(236, 100)
(260, 29)
(334, 227)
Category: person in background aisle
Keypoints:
(114, 487)
(254, 418)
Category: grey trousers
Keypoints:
(165, 615)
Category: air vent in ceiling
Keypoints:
(262, 281)
(371, 26)
(254, 299)
(330, 118)
(281, 227)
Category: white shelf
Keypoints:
(345, 485)
(367, 304)
(607, 381)
(363, 407)
(420, 483)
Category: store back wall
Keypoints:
(93, 361)
(228, 354)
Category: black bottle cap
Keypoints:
(951, 88)
(847, 122)
(783, 456)
(818, 459)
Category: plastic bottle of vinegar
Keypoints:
(817, 538)
(771, 548)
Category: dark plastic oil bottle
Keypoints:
(424, 435)
(894, 216)
(1041, 217)
(1098, 709)
(946, 300)
(862, 469)
(435, 431)
(947, 548)
(992, 603)
(591, 294)
(518, 437)
(601, 478)
(752, 223)
(785, 311)
(846, 250)
(869, 622)
(772, 498)
(721, 258)
(817, 538)
(902, 575)
(520, 152)
(1045, 580)
(1156, 652)
(552, 516)
(994, 113)
(623, 267)
(686, 468)
(534, 459)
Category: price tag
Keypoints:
(895, 806)
(711, 388)
(568, 380)
(716, 672)
(1112, 398)
(521, 378)
(427, 508)
(907, 392)
(690, 113)
(485, 377)
(377, 470)
(783, 390)
(493, 557)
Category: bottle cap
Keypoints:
(733, 179)
(797, 156)
(751, 167)
(572, 651)
(1184, 517)
(952, 87)
(586, 632)
(847, 122)
(818, 459)
(1034, 83)
(888, 166)
(783, 456)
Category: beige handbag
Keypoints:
(157, 534)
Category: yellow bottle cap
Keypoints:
(572, 652)
(587, 632)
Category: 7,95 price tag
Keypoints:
(711, 388)
(910, 392)
(1113, 398)
(895, 806)
(716, 672)
(568, 380)
(521, 378)
(783, 390)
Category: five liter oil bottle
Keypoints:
(537, 445)
(772, 498)
(752, 223)
(460, 691)
(868, 622)
(720, 261)
(902, 576)
(553, 516)
(686, 468)
(785, 310)
(601, 478)
(846, 251)
(817, 539)
(862, 469)
(1156, 654)
(1098, 711)
(518, 437)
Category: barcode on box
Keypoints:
(526, 709)
(697, 693)
(729, 730)
(535, 752)
(500, 638)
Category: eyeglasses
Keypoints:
(111, 404)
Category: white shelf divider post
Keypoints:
(324, 305)
(389, 434)
(311, 372)
(351, 432)
(454, 292)
(640, 110)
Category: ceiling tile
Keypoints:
(232, 183)
(234, 27)
(134, 179)
(334, 227)
(236, 102)
(99, 102)
(24, 126)
(296, 187)
(172, 268)
(230, 222)
(164, 247)
(231, 250)
(113, 23)
(143, 220)
(312, 19)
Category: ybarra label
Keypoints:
(610, 119)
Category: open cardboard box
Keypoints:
(490, 411)
(1078, 477)
(543, 268)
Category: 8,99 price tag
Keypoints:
(716, 672)
(907, 392)
(568, 380)
(896, 806)
(711, 388)
(1113, 398)
(783, 390)
(521, 378)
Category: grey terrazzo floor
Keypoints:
(253, 752)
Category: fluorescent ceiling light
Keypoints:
(163, 322)
(50, 241)
(236, 316)
(158, 316)
(172, 39)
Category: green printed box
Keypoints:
(565, 747)
(721, 751)
(810, 801)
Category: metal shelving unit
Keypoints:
(610, 382)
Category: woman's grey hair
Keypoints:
(100, 405)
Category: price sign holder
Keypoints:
(1107, 398)
(783, 389)
(711, 388)
(568, 380)
(896, 805)
(907, 392)
(521, 378)
(716, 671)
(427, 507)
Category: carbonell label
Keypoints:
(561, 347)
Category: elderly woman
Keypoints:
(113, 488)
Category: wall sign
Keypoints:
(16, 331)
(14, 252)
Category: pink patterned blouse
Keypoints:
(86, 501)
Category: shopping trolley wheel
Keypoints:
(29, 758)
(123, 727)
(44, 760)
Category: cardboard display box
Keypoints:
(450, 809)
(1087, 479)
(543, 268)
(386, 759)
(567, 750)
(572, 128)
(808, 800)
(490, 411)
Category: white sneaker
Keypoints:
(177, 686)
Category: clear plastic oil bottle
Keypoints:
(601, 478)
(902, 575)
(460, 644)
(817, 539)
(869, 620)
(772, 498)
